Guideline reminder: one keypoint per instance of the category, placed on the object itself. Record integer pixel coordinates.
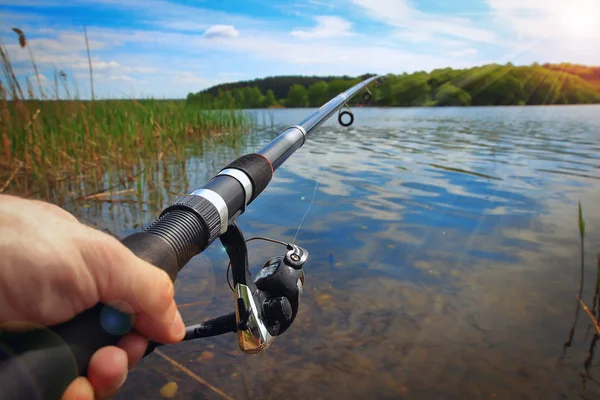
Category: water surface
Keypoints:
(444, 259)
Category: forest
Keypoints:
(486, 85)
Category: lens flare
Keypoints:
(581, 19)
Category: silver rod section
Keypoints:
(322, 114)
(290, 140)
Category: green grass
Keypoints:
(44, 142)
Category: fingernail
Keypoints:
(110, 392)
(180, 326)
(123, 381)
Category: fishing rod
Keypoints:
(41, 363)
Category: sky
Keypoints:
(166, 49)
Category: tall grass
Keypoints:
(45, 142)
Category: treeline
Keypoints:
(589, 74)
(296, 95)
(479, 86)
(280, 85)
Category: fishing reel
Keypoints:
(266, 306)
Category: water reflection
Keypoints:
(444, 259)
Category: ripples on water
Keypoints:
(444, 260)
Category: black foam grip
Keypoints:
(258, 169)
(40, 364)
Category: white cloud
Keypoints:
(97, 65)
(401, 15)
(231, 75)
(65, 42)
(186, 26)
(105, 77)
(189, 78)
(67, 51)
(573, 20)
(40, 77)
(295, 55)
(60, 59)
(121, 77)
(434, 43)
(551, 30)
(61, 41)
(177, 45)
(461, 53)
(323, 58)
(141, 70)
(327, 27)
(221, 32)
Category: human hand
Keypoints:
(53, 268)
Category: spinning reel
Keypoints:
(264, 307)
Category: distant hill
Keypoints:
(588, 74)
(485, 85)
(280, 85)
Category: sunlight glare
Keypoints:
(581, 18)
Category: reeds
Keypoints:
(45, 142)
(594, 312)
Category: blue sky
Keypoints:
(162, 48)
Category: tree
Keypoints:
(338, 86)
(318, 94)
(449, 95)
(386, 97)
(238, 96)
(270, 99)
(438, 77)
(491, 84)
(256, 98)
(297, 96)
(542, 87)
(411, 90)
(227, 100)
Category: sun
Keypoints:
(580, 19)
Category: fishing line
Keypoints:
(316, 187)
(266, 239)
(228, 271)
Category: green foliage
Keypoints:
(588, 74)
(47, 143)
(411, 90)
(491, 85)
(52, 140)
(280, 85)
(487, 85)
(338, 86)
(318, 94)
(297, 96)
(449, 95)
(270, 99)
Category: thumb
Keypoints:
(133, 285)
(79, 389)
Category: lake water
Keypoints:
(444, 259)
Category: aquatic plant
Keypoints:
(47, 140)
